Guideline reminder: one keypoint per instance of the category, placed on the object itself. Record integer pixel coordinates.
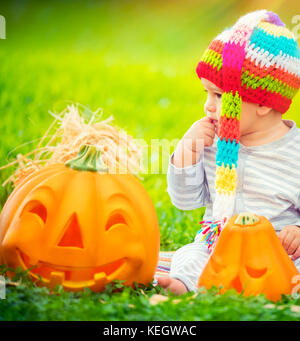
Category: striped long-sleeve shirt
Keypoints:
(268, 184)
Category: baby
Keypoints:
(250, 73)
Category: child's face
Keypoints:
(212, 107)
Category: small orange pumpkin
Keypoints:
(81, 226)
(249, 258)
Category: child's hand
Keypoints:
(204, 129)
(290, 240)
(201, 134)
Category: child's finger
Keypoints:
(293, 247)
(206, 119)
(207, 125)
(287, 240)
(296, 253)
(210, 136)
(209, 141)
(210, 132)
(281, 235)
(202, 125)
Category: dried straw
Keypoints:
(119, 151)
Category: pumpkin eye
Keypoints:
(115, 219)
(36, 207)
(255, 273)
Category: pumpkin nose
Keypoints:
(237, 284)
(72, 235)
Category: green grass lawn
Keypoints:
(136, 60)
(26, 302)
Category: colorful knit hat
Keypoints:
(256, 60)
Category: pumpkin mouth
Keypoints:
(57, 274)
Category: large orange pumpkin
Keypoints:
(249, 258)
(80, 226)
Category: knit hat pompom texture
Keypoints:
(256, 60)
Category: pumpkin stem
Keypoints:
(88, 159)
(246, 218)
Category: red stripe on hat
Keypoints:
(263, 97)
(277, 73)
(266, 98)
(233, 79)
(211, 73)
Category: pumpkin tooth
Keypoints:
(100, 279)
(99, 276)
(56, 277)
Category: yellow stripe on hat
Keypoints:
(275, 30)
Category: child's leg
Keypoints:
(188, 263)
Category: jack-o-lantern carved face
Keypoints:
(249, 258)
(80, 228)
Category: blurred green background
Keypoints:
(134, 59)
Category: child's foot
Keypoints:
(172, 284)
